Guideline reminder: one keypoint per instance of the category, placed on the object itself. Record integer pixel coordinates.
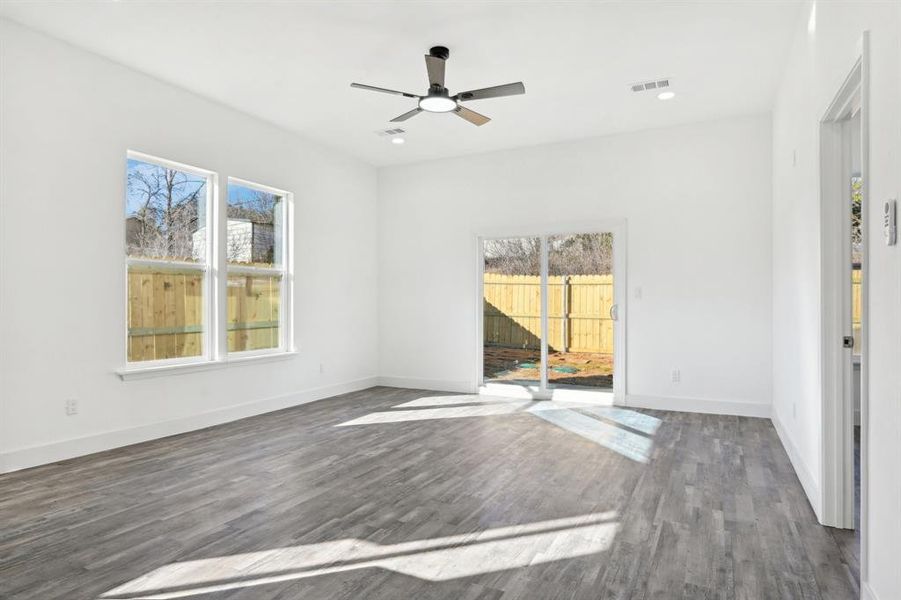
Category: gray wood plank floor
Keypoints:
(398, 494)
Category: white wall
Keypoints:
(820, 60)
(698, 203)
(66, 120)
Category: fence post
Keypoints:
(564, 346)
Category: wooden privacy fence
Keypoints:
(165, 313)
(578, 312)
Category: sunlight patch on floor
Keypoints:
(630, 418)
(626, 432)
(429, 401)
(436, 559)
(450, 412)
(622, 441)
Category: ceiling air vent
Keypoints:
(390, 132)
(645, 86)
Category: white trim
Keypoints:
(182, 368)
(865, 315)
(258, 186)
(285, 271)
(552, 228)
(600, 396)
(739, 408)
(543, 317)
(261, 271)
(866, 592)
(24, 458)
(836, 448)
(167, 265)
(435, 385)
(693, 405)
(836, 440)
(618, 227)
(169, 164)
(218, 232)
(801, 469)
(210, 290)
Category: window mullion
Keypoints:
(258, 271)
(219, 274)
(167, 265)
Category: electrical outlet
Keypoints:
(677, 376)
(71, 407)
(322, 367)
(638, 293)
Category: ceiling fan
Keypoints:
(439, 100)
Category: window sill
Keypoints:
(130, 373)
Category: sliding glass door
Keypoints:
(511, 308)
(549, 311)
(580, 310)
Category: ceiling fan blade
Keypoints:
(435, 67)
(508, 89)
(471, 116)
(372, 88)
(406, 115)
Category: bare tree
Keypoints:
(581, 254)
(513, 256)
(258, 207)
(168, 212)
(254, 240)
(856, 220)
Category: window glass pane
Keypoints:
(165, 213)
(856, 259)
(511, 311)
(253, 312)
(165, 313)
(580, 299)
(254, 227)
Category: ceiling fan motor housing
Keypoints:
(439, 52)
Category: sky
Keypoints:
(237, 194)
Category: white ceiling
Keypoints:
(291, 63)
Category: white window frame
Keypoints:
(285, 271)
(216, 269)
(205, 267)
(619, 395)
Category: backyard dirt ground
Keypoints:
(566, 368)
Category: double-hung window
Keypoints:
(168, 209)
(208, 277)
(256, 243)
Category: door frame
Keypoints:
(618, 227)
(836, 448)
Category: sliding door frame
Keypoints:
(542, 391)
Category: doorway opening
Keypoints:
(843, 169)
(550, 319)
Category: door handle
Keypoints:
(614, 312)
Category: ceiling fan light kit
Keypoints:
(439, 100)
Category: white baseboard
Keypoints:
(714, 407)
(33, 456)
(697, 405)
(435, 385)
(808, 482)
(866, 592)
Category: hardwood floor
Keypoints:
(400, 494)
